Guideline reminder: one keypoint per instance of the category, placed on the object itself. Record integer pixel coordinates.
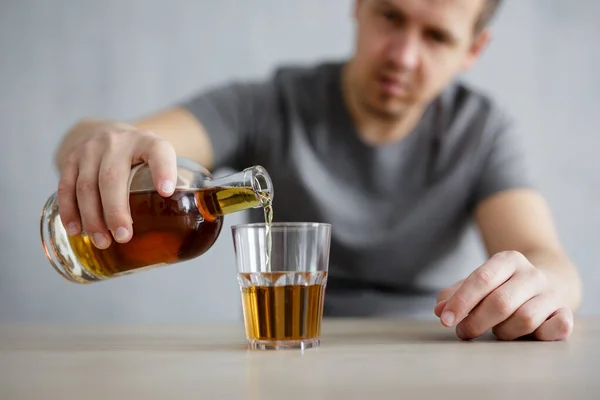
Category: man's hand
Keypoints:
(508, 295)
(95, 163)
(95, 159)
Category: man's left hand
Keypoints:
(508, 295)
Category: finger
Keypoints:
(558, 327)
(113, 181)
(437, 310)
(162, 160)
(67, 197)
(446, 293)
(501, 303)
(529, 317)
(88, 198)
(497, 270)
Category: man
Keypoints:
(387, 147)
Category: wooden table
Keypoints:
(358, 359)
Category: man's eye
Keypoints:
(389, 16)
(437, 37)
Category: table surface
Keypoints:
(366, 358)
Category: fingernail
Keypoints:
(99, 240)
(448, 317)
(167, 186)
(72, 229)
(121, 233)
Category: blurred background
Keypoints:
(62, 60)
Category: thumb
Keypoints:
(162, 160)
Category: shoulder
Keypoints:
(467, 119)
(465, 107)
(306, 80)
(474, 131)
(285, 81)
(307, 93)
(308, 72)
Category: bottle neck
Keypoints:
(250, 188)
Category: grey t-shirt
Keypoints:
(397, 209)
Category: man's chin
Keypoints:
(389, 109)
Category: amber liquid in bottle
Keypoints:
(165, 230)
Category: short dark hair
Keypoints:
(487, 14)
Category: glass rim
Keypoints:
(281, 225)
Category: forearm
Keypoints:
(561, 273)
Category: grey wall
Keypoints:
(62, 60)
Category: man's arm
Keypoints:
(519, 220)
(184, 131)
(219, 127)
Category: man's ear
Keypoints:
(477, 47)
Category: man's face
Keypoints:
(407, 51)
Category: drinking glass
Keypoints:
(282, 272)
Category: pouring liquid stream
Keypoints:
(268, 211)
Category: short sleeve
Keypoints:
(234, 117)
(503, 164)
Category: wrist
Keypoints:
(566, 285)
(562, 276)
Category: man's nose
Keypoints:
(405, 50)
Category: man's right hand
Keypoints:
(95, 162)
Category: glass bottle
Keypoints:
(165, 230)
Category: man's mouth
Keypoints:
(391, 86)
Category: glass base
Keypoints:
(303, 344)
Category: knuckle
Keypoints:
(460, 303)
(564, 326)
(71, 161)
(540, 280)
(502, 303)
(108, 177)
(537, 275)
(483, 276)
(65, 188)
(85, 187)
(112, 138)
(528, 322)
(89, 149)
(145, 139)
(160, 145)
(509, 256)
